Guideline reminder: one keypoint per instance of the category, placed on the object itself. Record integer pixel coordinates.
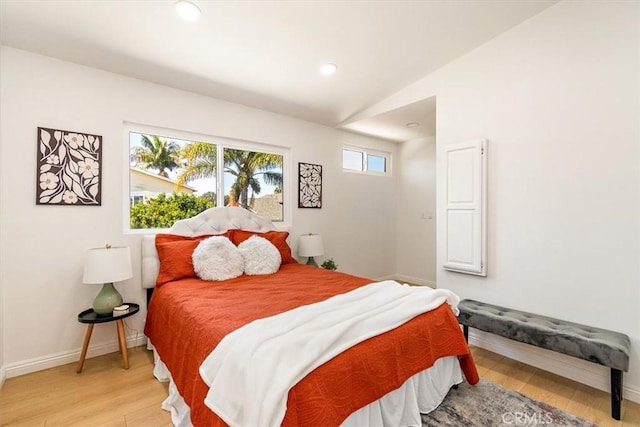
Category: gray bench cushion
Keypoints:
(597, 345)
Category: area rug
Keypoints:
(488, 404)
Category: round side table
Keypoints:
(91, 318)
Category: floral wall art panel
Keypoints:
(309, 185)
(69, 168)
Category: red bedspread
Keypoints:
(186, 319)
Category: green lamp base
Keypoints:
(106, 300)
(312, 262)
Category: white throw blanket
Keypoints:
(253, 368)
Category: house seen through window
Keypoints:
(172, 179)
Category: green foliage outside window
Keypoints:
(163, 211)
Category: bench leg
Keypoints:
(616, 393)
(465, 331)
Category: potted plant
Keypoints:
(329, 264)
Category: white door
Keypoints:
(465, 219)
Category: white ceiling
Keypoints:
(266, 54)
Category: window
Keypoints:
(352, 160)
(174, 175)
(376, 163)
(365, 161)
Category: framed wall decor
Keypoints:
(309, 185)
(69, 168)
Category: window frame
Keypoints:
(366, 152)
(221, 143)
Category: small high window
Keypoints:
(365, 161)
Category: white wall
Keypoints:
(558, 98)
(2, 368)
(416, 217)
(42, 247)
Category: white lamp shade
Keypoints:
(107, 265)
(310, 245)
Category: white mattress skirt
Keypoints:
(421, 393)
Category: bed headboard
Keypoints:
(211, 221)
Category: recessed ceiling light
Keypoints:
(187, 10)
(328, 69)
(412, 125)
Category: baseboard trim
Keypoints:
(578, 370)
(57, 359)
(410, 279)
(3, 376)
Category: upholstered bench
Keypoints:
(596, 345)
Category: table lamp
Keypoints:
(310, 245)
(107, 265)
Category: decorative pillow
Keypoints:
(216, 258)
(260, 256)
(174, 254)
(277, 238)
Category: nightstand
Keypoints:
(91, 318)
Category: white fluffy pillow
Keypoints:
(216, 258)
(260, 256)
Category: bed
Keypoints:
(386, 379)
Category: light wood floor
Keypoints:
(104, 394)
(575, 398)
